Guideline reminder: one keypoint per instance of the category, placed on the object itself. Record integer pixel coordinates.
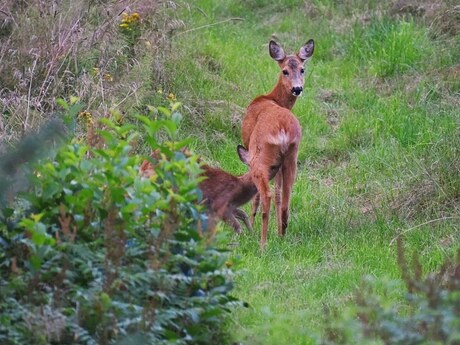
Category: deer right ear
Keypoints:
(276, 52)
(307, 50)
(243, 153)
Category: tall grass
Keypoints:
(388, 47)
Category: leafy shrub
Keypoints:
(95, 254)
(429, 314)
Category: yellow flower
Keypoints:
(172, 97)
(108, 77)
(136, 16)
(124, 25)
(87, 116)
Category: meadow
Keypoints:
(380, 153)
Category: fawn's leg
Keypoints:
(230, 219)
(241, 215)
(255, 207)
(225, 213)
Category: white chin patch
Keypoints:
(297, 95)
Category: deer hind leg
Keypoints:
(289, 171)
(278, 189)
(260, 179)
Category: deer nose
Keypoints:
(296, 91)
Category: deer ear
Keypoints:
(276, 52)
(307, 50)
(243, 153)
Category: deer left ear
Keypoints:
(276, 51)
(243, 153)
(307, 50)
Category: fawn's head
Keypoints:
(292, 66)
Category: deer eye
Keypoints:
(285, 72)
(302, 71)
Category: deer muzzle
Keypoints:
(297, 90)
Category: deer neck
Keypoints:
(248, 184)
(284, 98)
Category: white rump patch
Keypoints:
(282, 139)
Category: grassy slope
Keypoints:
(380, 150)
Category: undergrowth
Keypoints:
(93, 253)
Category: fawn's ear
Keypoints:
(243, 153)
(276, 51)
(307, 50)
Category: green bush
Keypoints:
(428, 314)
(95, 254)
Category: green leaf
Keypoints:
(105, 300)
(36, 262)
(63, 103)
(165, 111)
(170, 335)
(170, 127)
(129, 208)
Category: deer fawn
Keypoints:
(223, 192)
(272, 135)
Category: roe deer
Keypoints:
(223, 192)
(272, 135)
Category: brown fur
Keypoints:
(223, 192)
(272, 135)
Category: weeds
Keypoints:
(89, 50)
(429, 315)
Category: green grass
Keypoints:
(379, 152)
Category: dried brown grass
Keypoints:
(51, 50)
(443, 16)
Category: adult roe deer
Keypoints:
(272, 135)
(223, 192)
